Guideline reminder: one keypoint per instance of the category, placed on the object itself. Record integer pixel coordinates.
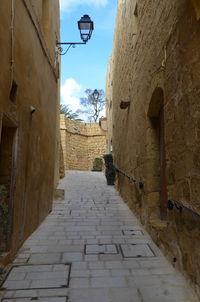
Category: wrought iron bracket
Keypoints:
(61, 51)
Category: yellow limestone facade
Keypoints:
(29, 119)
(154, 69)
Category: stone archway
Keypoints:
(156, 143)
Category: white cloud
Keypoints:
(71, 92)
(66, 5)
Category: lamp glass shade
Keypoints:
(86, 27)
(95, 94)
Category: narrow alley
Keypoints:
(92, 248)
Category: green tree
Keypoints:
(94, 103)
(64, 109)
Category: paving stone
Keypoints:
(99, 273)
(100, 249)
(108, 282)
(49, 283)
(92, 214)
(79, 283)
(96, 265)
(61, 267)
(134, 240)
(43, 299)
(80, 241)
(80, 273)
(22, 256)
(154, 263)
(20, 260)
(141, 272)
(79, 265)
(121, 272)
(136, 250)
(125, 295)
(16, 276)
(105, 241)
(68, 257)
(66, 248)
(65, 242)
(89, 295)
(91, 258)
(45, 258)
(47, 275)
(32, 268)
(132, 232)
(110, 257)
(92, 241)
(164, 293)
(61, 292)
(16, 284)
(114, 264)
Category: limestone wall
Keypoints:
(109, 104)
(156, 63)
(81, 143)
(29, 77)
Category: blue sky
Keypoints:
(85, 66)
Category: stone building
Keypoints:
(29, 81)
(81, 143)
(154, 104)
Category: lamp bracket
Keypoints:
(60, 50)
(69, 43)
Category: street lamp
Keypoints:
(85, 26)
(95, 94)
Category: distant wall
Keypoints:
(81, 143)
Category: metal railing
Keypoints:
(173, 203)
(141, 184)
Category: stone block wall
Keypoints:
(155, 66)
(29, 78)
(81, 143)
(109, 103)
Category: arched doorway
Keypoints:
(156, 117)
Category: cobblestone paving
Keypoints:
(92, 248)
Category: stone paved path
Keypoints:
(92, 248)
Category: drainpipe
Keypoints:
(12, 62)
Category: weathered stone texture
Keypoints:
(109, 84)
(155, 65)
(28, 60)
(81, 143)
